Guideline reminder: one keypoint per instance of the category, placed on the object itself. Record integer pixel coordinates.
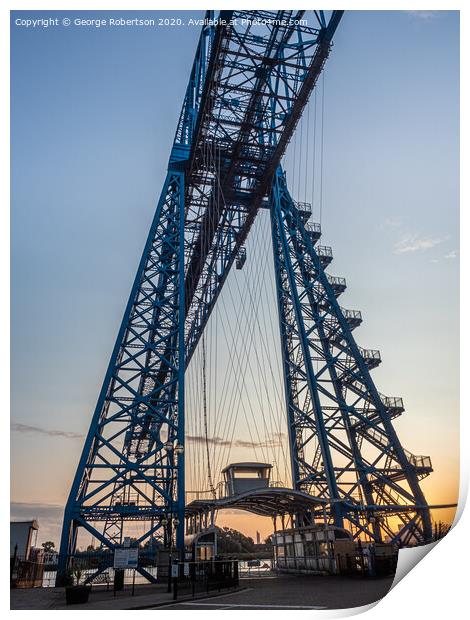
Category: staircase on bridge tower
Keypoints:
(339, 421)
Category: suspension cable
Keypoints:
(322, 150)
(204, 408)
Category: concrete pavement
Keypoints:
(283, 592)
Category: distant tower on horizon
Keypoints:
(258, 538)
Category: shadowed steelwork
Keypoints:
(246, 93)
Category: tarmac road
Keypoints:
(296, 593)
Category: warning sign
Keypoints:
(126, 557)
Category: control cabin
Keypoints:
(243, 477)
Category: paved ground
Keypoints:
(146, 596)
(284, 592)
(297, 592)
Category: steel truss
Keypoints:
(247, 90)
(343, 444)
(132, 466)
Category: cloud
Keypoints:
(392, 222)
(451, 254)
(414, 243)
(48, 516)
(26, 510)
(275, 441)
(424, 15)
(26, 428)
(214, 441)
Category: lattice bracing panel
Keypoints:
(343, 445)
(130, 469)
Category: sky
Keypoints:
(94, 112)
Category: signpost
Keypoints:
(126, 557)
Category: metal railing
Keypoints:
(370, 355)
(25, 573)
(325, 251)
(313, 228)
(203, 576)
(336, 281)
(351, 314)
(420, 462)
(264, 569)
(392, 402)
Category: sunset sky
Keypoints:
(93, 118)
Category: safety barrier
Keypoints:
(198, 577)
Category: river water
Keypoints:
(244, 572)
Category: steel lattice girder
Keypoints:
(125, 473)
(256, 86)
(343, 444)
(245, 95)
(196, 231)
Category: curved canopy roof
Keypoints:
(267, 502)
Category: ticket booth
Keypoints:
(201, 546)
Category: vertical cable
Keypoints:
(314, 145)
(204, 407)
(322, 134)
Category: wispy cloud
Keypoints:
(274, 441)
(451, 254)
(213, 441)
(391, 222)
(26, 428)
(424, 15)
(49, 517)
(415, 243)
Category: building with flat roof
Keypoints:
(23, 536)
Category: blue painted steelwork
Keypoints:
(343, 445)
(247, 89)
(245, 95)
(132, 464)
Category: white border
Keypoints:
(438, 584)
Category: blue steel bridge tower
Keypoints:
(246, 92)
